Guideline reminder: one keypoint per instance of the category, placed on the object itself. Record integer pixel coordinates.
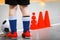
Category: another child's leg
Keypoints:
(26, 19)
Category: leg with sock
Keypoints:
(13, 22)
(26, 24)
(26, 21)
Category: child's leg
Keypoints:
(24, 10)
(26, 17)
(12, 21)
(12, 18)
(26, 21)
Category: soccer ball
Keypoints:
(6, 26)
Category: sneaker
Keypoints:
(8, 35)
(26, 34)
(14, 35)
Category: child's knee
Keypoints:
(24, 9)
(12, 10)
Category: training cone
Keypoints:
(40, 21)
(46, 19)
(33, 25)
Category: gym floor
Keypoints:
(52, 33)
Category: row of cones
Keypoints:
(42, 23)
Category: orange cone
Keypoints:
(33, 25)
(46, 19)
(40, 21)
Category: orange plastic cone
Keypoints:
(46, 19)
(40, 21)
(33, 25)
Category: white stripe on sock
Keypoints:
(26, 18)
(12, 18)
